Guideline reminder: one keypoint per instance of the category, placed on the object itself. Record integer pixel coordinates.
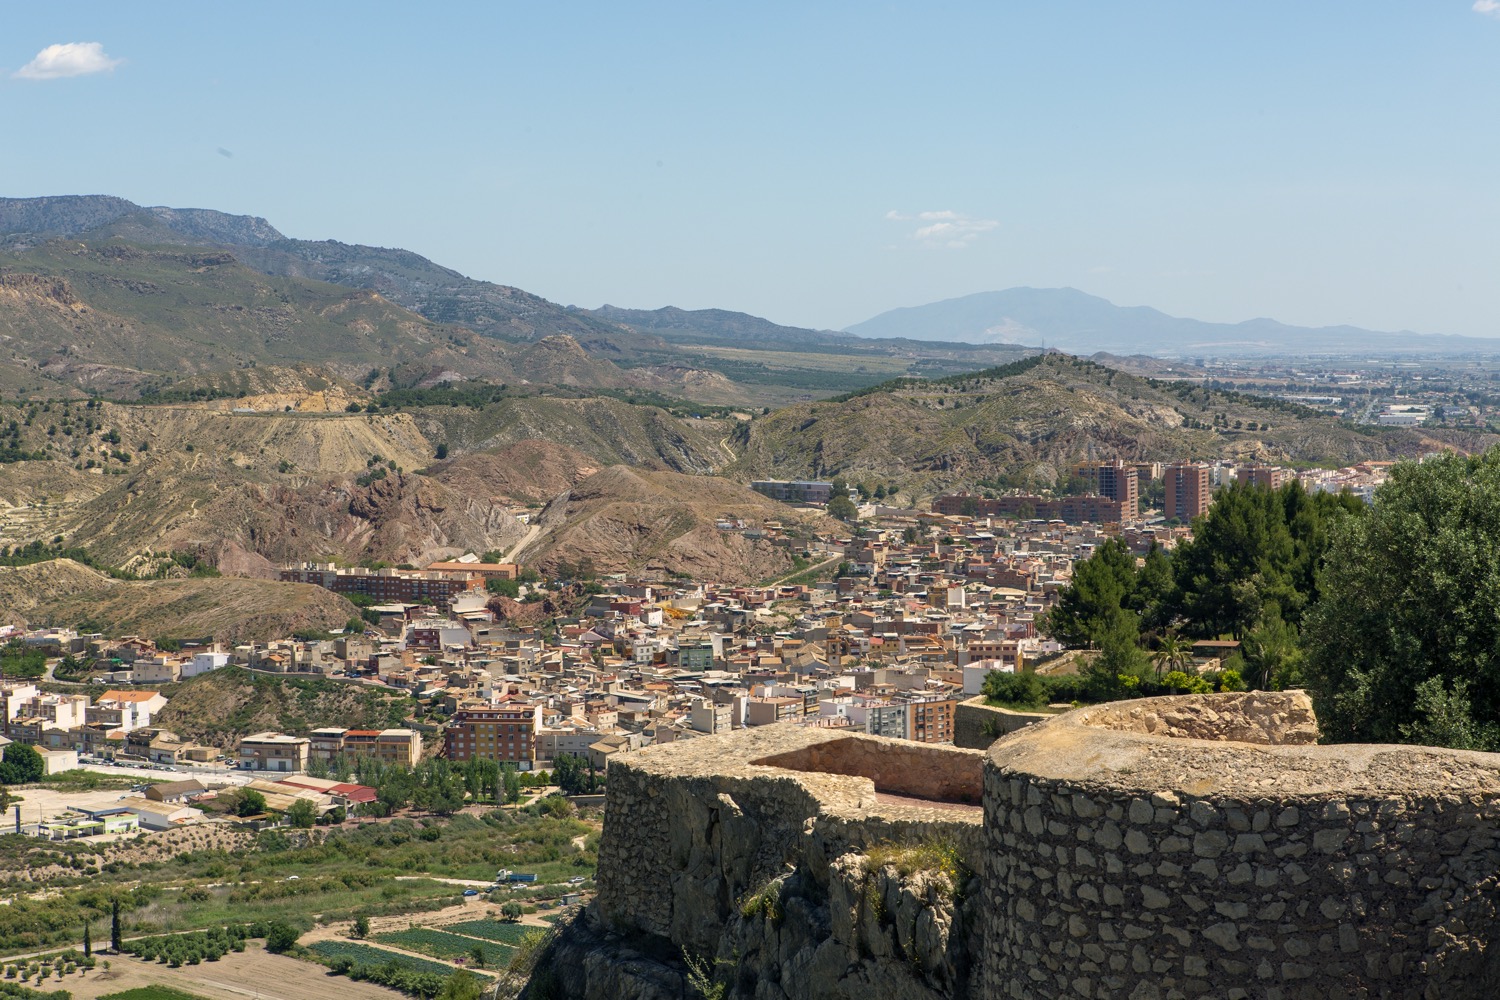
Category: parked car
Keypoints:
(471, 892)
(576, 880)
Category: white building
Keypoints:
(202, 663)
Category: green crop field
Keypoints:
(491, 930)
(364, 954)
(441, 944)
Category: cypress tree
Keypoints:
(116, 940)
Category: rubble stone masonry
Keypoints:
(1202, 846)
(1127, 863)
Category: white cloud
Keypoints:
(945, 228)
(1490, 7)
(69, 59)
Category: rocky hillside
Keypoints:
(122, 319)
(622, 519)
(605, 430)
(232, 610)
(222, 707)
(528, 472)
(1030, 420)
(250, 490)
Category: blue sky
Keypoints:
(815, 163)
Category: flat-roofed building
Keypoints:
(274, 752)
(932, 719)
(506, 733)
(1116, 481)
(1268, 477)
(1189, 491)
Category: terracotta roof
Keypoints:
(127, 695)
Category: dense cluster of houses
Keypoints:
(925, 604)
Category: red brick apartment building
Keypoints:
(1268, 476)
(932, 720)
(1073, 510)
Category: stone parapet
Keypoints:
(1125, 860)
(697, 831)
(977, 724)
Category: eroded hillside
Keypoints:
(623, 519)
(229, 609)
(1031, 420)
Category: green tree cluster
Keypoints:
(1388, 614)
(20, 764)
(1405, 644)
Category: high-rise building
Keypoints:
(1268, 476)
(1189, 491)
(1115, 481)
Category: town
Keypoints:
(886, 632)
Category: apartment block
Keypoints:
(275, 752)
(506, 733)
(1268, 477)
(401, 747)
(1117, 481)
(932, 719)
(388, 586)
(1189, 491)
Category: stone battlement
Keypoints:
(1200, 846)
(1127, 857)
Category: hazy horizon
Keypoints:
(1318, 165)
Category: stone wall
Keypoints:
(976, 724)
(806, 884)
(1200, 846)
(896, 767)
(1126, 864)
(1271, 718)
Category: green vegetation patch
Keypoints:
(446, 946)
(491, 930)
(329, 952)
(152, 993)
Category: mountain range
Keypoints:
(1078, 323)
(711, 356)
(183, 382)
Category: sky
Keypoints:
(814, 163)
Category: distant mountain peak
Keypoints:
(1083, 324)
(69, 215)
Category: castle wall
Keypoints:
(1200, 846)
(717, 848)
(1128, 864)
(976, 724)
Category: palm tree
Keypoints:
(1172, 652)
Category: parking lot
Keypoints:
(208, 775)
(38, 805)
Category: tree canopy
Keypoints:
(1254, 547)
(1405, 644)
(20, 764)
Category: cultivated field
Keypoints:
(252, 973)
